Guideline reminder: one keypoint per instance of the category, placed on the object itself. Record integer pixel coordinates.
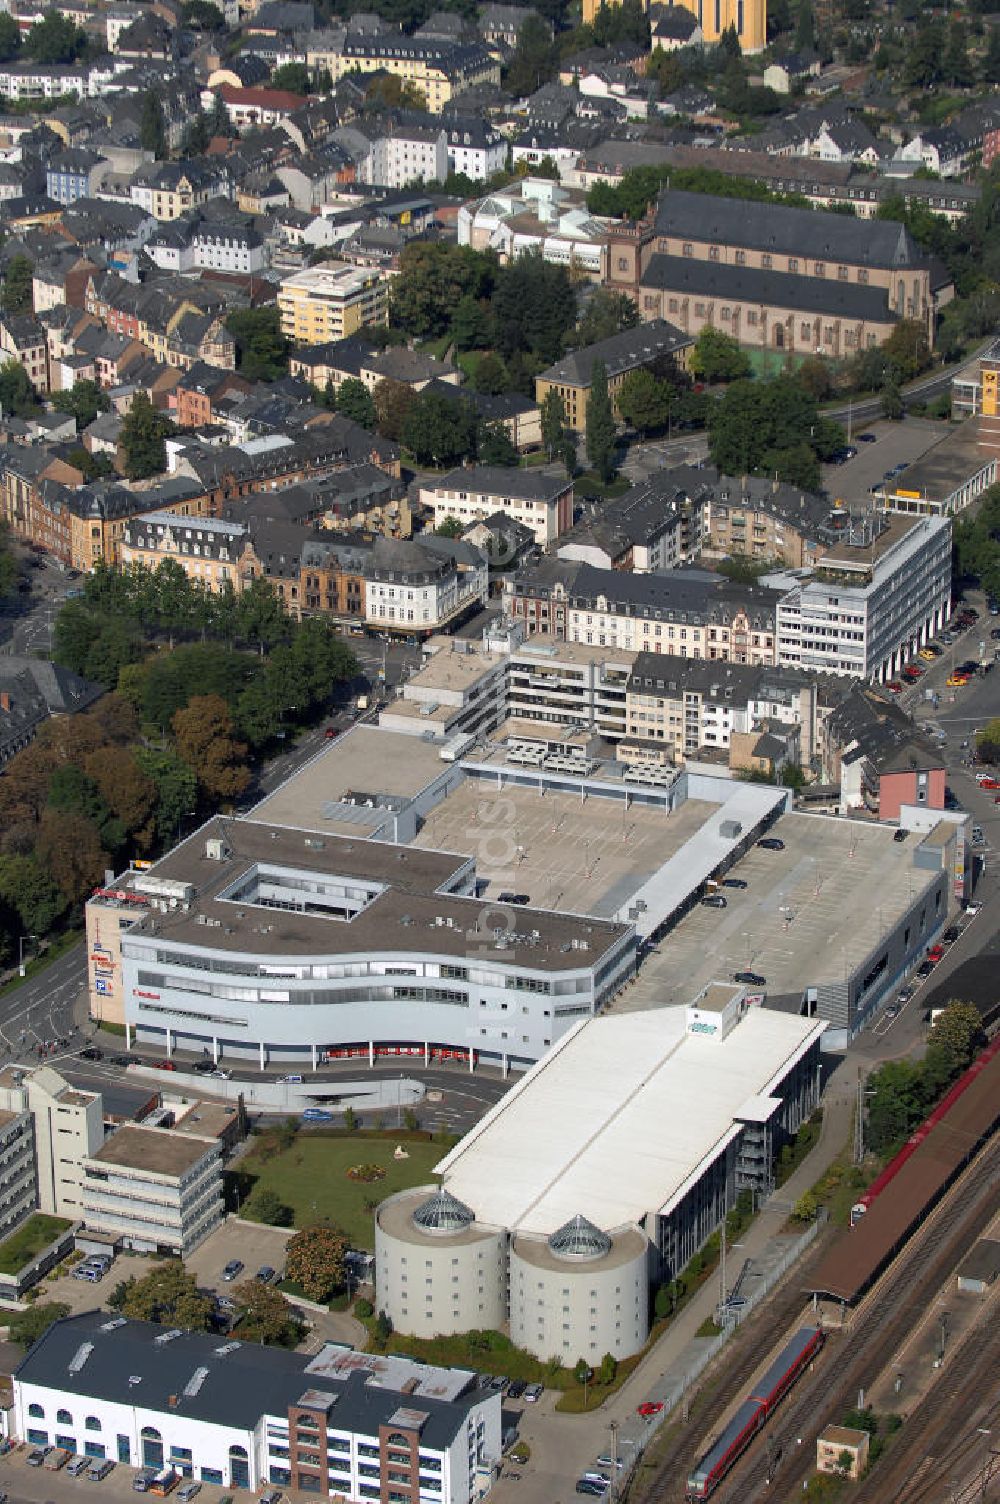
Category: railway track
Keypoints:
(944, 1427)
(852, 1361)
(728, 1377)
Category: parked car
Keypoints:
(37, 1456)
(77, 1465)
(751, 978)
(925, 968)
(219, 1074)
(516, 1389)
(734, 882)
(518, 899)
(164, 1065)
(894, 687)
(533, 1393)
(771, 843)
(142, 1480)
(188, 1491)
(291, 1080)
(935, 953)
(584, 1486)
(265, 1274)
(951, 934)
(606, 1460)
(271, 1496)
(648, 1408)
(317, 1115)
(99, 1469)
(714, 901)
(900, 834)
(88, 1274)
(203, 1067)
(866, 438)
(232, 1269)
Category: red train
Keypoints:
(940, 1112)
(757, 1408)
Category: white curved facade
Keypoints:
(570, 1308)
(434, 1282)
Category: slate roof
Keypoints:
(802, 232)
(239, 1384)
(750, 284)
(622, 352)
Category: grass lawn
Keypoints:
(28, 1242)
(311, 1177)
(589, 486)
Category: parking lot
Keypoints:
(250, 1242)
(38, 1485)
(896, 444)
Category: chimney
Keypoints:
(4, 699)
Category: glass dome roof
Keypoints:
(579, 1239)
(443, 1212)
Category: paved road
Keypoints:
(44, 1007)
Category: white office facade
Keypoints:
(245, 1416)
(866, 618)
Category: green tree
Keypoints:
(553, 414)
(643, 401)
(176, 789)
(608, 1369)
(55, 40)
(388, 91)
(600, 431)
(955, 1037)
(265, 1316)
(265, 1205)
(771, 428)
(494, 445)
(956, 65)
(27, 1326)
(152, 126)
(439, 430)
(729, 43)
(991, 58)
(169, 1295)
(470, 325)
(891, 399)
(383, 1327)
(202, 15)
(393, 401)
(535, 58)
(805, 27)
(84, 400)
(924, 63)
(292, 77)
(606, 313)
(197, 136)
(718, 357)
(490, 375)
(16, 293)
(896, 1104)
(533, 305)
(17, 395)
(261, 348)
(354, 401)
(314, 1260)
(142, 439)
(433, 279)
(10, 37)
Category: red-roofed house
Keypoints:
(254, 106)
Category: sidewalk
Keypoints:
(563, 1446)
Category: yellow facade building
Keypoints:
(331, 301)
(714, 17)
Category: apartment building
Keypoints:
(766, 519)
(335, 1423)
(632, 350)
(870, 601)
(672, 613)
(417, 588)
(154, 1190)
(552, 683)
(208, 549)
(541, 499)
(880, 761)
(539, 215)
(678, 707)
(330, 301)
(437, 67)
(764, 272)
(166, 190)
(655, 526)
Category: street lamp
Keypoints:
(20, 953)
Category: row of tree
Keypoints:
(902, 1092)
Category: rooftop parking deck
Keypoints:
(566, 853)
(809, 914)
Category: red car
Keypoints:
(988, 783)
(330, 733)
(165, 1065)
(914, 671)
(935, 953)
(649, 1407)
(894, 687)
